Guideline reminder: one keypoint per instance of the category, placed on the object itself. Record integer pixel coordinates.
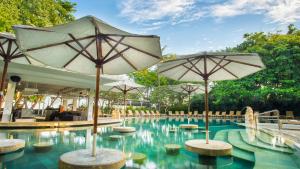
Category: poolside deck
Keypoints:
(56, 124)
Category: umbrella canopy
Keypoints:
(9, 51)
(124, 86)
(91, 46)
(211, 67)
(189, 89)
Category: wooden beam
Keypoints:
(139, 50)
(223, 67)
(244, 63)
(80, 45)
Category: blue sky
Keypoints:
(189, 26)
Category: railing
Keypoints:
(267, 116)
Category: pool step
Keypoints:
(257, 143)
(264, 158)
(237, 152)
(267, 138)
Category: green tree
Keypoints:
(39, 13)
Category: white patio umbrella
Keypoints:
(211, 67)
(90, 46)
(124, 86)
(10, 52)
(189, 89)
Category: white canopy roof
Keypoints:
(10, 51)
(216, 66)
(127, 86)
(73, 46)
(52, 76)
(188, 88)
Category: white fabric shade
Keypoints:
(188, 88)
(123, 86)
(73, 46)
(220, 66)
(9, 50)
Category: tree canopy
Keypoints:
(39, 13)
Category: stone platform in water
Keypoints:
(172, 148)
(124, 129)
(11, 145)
(214, 148)
(43, 146)
(139, 158)
(83, 159)
(189, 126)
(115, 137)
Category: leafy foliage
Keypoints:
(39, 13)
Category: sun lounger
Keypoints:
(230, 115)
(148, 113)
(153, 113)
(130, 114)
(157, 113)
(289, 115)
(238, 114)
(181, 113)
(190, 114)
(223, 114)
(210, 114)
(170, 113)
(143, 114)
(196, 114)
(281, 122)
(137, 113)
(176, 113)
(123, 113)
(203, 114)
(217, 114)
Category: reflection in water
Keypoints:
(150, 137)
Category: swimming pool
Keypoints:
(150, 137)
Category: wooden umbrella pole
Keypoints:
(4, 72)
(206, 110)
(124, 99)
(189, 107)
(96, 110)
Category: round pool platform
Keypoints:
(188, 126)
(83, 159)
(11, 145)
(42, 146)
(124, 129)
(213, 148)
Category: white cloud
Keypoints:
(143, 10)
(156, 13)
(280, 11)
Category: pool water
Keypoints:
(150, 137)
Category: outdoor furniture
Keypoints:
(157, 113)
(210, 114)
(176, 113)
(153, 113)
(217, 114)
(289, 115)
(190, 114)
(230, 115)
(148, 113)
(137, 113)
(181, 113)
(238, 114)
(123, 113)
(130, 114)
(26, 120)
(281, 122)
(170, 113)
(223, 114)
(143, 114)
(195, 114)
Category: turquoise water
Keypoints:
(150, 137)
